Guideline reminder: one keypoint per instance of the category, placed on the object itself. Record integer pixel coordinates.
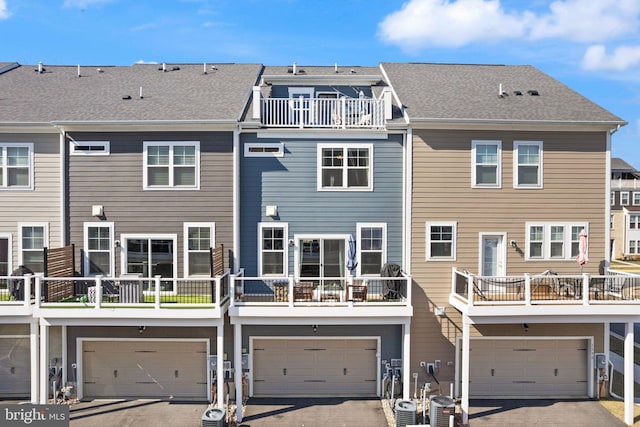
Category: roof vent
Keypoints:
(126, 97)
(352, 71)
(99, 70)
(501, 93)
(533, 92)
(40, 69)
(176, 68)
(163, 68)
(517, 92)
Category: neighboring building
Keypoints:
(322, 167)
(625, 210)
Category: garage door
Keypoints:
(150, 369)
(528, 368)
(15, 367)
(314, 367)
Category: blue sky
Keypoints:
(593, 46)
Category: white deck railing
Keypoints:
(620, 184)
(342, 113)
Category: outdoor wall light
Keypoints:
(525, 326)
(315, 328)
(141, 329)
(513, 244)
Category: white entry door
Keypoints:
(492, 255)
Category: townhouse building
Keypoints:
(625, 210)
(321, 230)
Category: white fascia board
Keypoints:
(523, 125)
(152, 322)
(110, 314)
(323, 134)
(150, 125)
(312, 315)
(336, 79)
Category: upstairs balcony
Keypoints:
(132, 297)
(327, 297)
(625, 184)
(15, 296)
(322, 113)
(546, 294)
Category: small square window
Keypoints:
(441, 241)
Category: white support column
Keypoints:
(628, 373)
(44, 364)
(33, 341)
(65, 374)
(237, 355)
(220, 365)
(406, 360)
(465, 369)
(257, 99)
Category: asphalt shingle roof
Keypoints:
(619, 164)
(471, 92)
(59, 95)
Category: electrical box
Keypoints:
(213, 362)
(601, 361)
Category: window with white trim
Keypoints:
(553, 241)
(98, 248)
(273, 253)
(612, 198)
(171, 165)
(33, 238)
(624, 198)
(634, 246)
(264, 149)
(487, 159)
(634, 221)
(441, 241)
(199, 238)
(527, 164)
(636, 198)
(345, 167)
(372, 242)
(16, 168)
(89, 148)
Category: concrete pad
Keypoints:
(539, 412)
(314, 412)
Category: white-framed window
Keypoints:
(553, 240)
(171, 165)
(273, 252)
(345, 167)
(527, 164)
(636, 198)
(32, 239)
(372, 244)
(16, 166)
(5, 260)
(98, 248)
(89, 148)
(199, 237)
(150, 255)
(441, 241)
(264, 149)
(612, 198)
(634, 222)
(486, 171)
(634, 246)
(624, 198)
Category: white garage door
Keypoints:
(150, 369)
(528, 368)
(15, 367)
(314, 367)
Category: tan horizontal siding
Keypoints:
(574, 173)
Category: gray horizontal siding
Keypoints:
(42, 204)
(290, 182)
(115, 182)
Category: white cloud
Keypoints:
(83, 4)
(453, 23)
(142, 61)
(587, 21)
(4, 12)
(620, 59)
(449, 23)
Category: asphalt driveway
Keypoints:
(308, 412)
(540, 412)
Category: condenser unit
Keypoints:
(440, 409)
(213, 417)
(406, 413)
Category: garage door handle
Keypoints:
(115, 373)
(555, 372)
(344, 371)
(175, 373)
(493, 371)
(284, 371)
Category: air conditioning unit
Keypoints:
(406, 413)
(440, 409)
(213, 418)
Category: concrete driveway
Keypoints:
(540, 412)
(316, 412)
(141, 412)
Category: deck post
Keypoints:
(464, 404)
(33, 341)
(628, 373)
(237, 354)
(44, 364)
(220, 366)
(156, 280)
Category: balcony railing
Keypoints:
(16, 290)
(341, 113)
(621, 184)
(131, 292)
(347, 291)
(547, 288)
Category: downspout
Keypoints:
(63, 187)
(236, 200)
(408, 178)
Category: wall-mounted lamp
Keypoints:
(513, 244)
(116, 243)
(525, 326)
(271, 210)
(291, 243)
(97, 210)
(141, 329)
(315, 328)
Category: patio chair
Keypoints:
(303, 291)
